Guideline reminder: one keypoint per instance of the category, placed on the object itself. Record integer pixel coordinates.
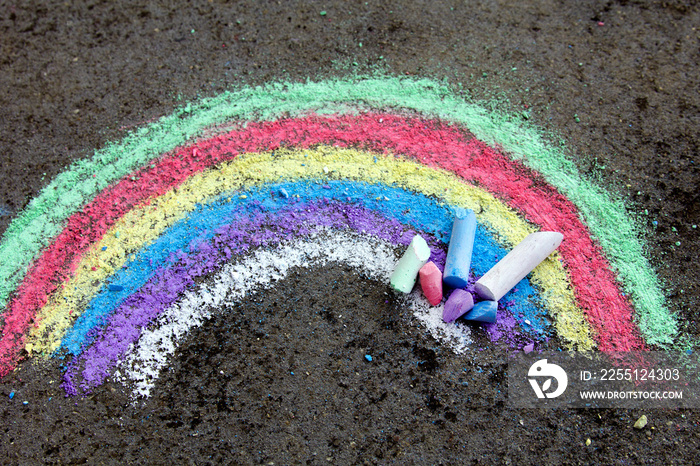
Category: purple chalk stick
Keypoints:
(459, 302)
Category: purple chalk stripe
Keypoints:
(261, 229)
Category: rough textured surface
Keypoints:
(622, 95)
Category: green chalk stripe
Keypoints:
(606, 217)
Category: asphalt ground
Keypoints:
(617, 82)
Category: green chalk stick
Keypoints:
(404, 276)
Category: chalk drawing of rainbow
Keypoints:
(102, 266)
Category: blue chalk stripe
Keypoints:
(409, 208)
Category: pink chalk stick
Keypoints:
(431, 282)
(459, 303)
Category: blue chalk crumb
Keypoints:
(12, 395)
(368, 357)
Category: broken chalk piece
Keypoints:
(459, 303)
(484, 311)
(283, 193)
(459, 252)
(116, 288)
(517, 264)
(404, 276)
(431, 283)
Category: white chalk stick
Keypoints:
(517, 264)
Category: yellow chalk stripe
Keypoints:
(144, 223)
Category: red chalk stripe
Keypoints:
(432, 143)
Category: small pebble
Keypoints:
(641, 422)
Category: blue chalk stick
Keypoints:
(459, 252)
(116, 288)
(484, 311)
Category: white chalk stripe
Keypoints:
(373, 256)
